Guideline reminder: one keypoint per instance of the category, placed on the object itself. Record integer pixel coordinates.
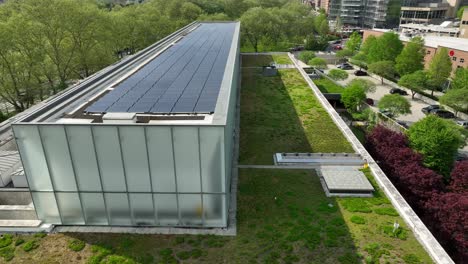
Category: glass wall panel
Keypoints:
(212, 159)
(214, 210)
(135, 159)
(70, 208)
(32, 156)
(80, 141)
(109, 158)
(190, 209)
(46, 207)
(142, 208)
(93, 206)
(118, 208)
(159, 140)
(166, 209)
(58, 157)
(187, 159)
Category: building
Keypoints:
(464, 24)
(428, 12)
(457, 47)
(365, 13)
(145, 142)
(445, 29)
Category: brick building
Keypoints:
(457, 47)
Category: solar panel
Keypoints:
(185, 78)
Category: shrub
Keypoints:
(19, 241)
(459, 177)
(7, 253)
(115, 259)
(386, 211)
(356, 205)
(40, 235)
(76, 245)
(399, 233)
(358, 220)
(411, 259)
(306, 56)
(6, 240)
(337, 74)
(318, 63)
(184, 255)
(30, 245)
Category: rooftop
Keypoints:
(184, 78)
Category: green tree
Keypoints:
(395, 104)
(353, 43)
(306, 56)
(460, 11)
(456, 99)
(318, 63)
(256, 24)
(416, 82)
(460, 80)
(234, 8)
(190, 11)
(411, 58)
(367, 85)
(437, 140)
(439, 69)
(315, 43)
(385, 69)
(352, 97)
(337, 74)
(386, 48)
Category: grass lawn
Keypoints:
(263, 60)
(327, 86)
(281, 114)
(283, 217)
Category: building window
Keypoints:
(428, 52)
(462, 60)
(454, 58)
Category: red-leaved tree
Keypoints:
(459, 177)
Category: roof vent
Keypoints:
(119, 118)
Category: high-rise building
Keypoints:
(429, 11)
(365, 13)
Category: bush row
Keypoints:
(443, 208)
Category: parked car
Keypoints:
(398, 91)
(403, 124)
(442, 113)
(386, 112)
(426, 110)
(296, 48)
(360, 73)
(345, 66)
(370, 101)
(462, 123)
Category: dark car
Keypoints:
(403, 124)
(337, 42)
(430, 108)
(398, 91)
(442, 113)
(370, 101)
(345, 66)
(360, 73)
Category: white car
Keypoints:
(462, 123)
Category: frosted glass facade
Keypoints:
(127, 175)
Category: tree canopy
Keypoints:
(456, 99)
(415, 81)
(366, 85)
(338, 74)
(460, 80)
(437, 140)
(318, 63)
(385, 69)
(411, 58)
(352, 97)
(439, 70)
(395, 104)
(385, 48)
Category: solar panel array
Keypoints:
(185, 78)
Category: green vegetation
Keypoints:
(384, 48)
(358, 220)
(395, 104)
(264, 60)
(411, 58)
(438, 141)
(306, 56)
(353, 97)
(327, 86)
(386, 69)
(318, 63)
(416, 82)
(386, 211)
(281, 114)
(6, 240)
(439, 69)
(30, 245)
(337, 74)
(456, 99)
(76, 245)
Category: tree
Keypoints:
(318, 63)
(411, 58)
(352, 98)
(337, 74)
(353, 43)
(437, 140)
(306, 56)
(395, 104)
(367, 85)
(460, 80)
(456, 99)
(415, 81)
(460, 11)
(439, 69)
(366, 45)
(386, 48)
(315, 43)
(234, 8)
(385, 69)
(190, 11)
(459, 177)
(256, 24)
